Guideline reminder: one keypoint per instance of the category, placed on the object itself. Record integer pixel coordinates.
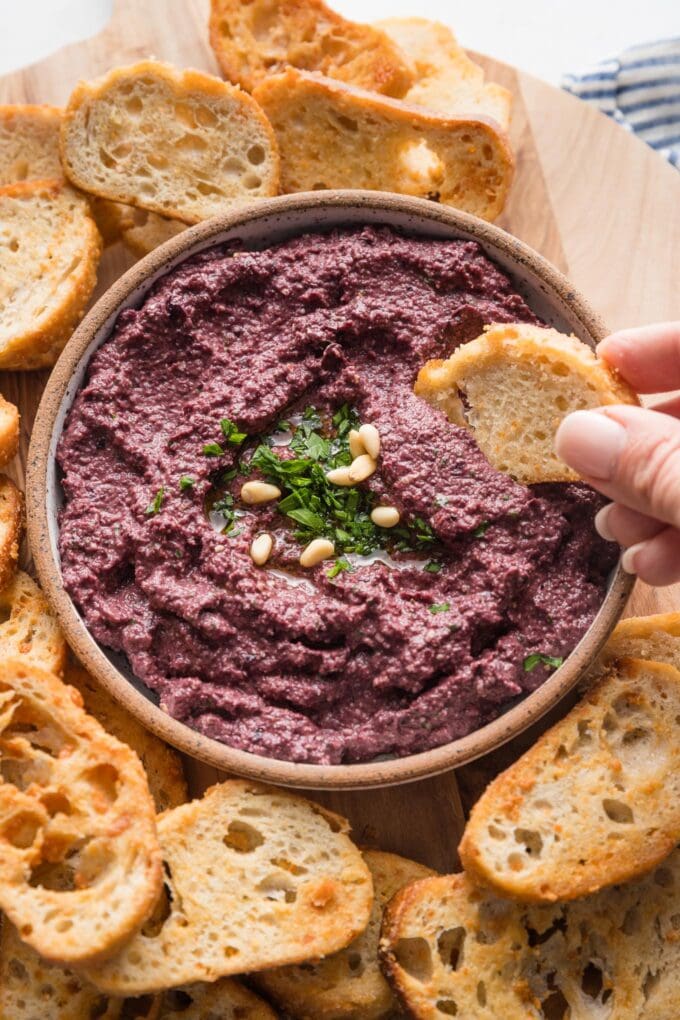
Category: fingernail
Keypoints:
(628, 558)
(590, 443)
(610, 343)
(601, 525)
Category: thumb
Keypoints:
(631, 454)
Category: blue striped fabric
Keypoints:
(641, 90)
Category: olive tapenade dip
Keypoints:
(267, 604)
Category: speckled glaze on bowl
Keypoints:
(259, 225)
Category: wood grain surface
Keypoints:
(599, 204)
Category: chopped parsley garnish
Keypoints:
(156, 504)
(213, 450)
(433, 567)
(321, 509)
(439, 607)
(338, 567)
(481, 529)
(231, 432)
(224, 506)
(186, 482)
(539, 658)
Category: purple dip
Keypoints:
(334, 669)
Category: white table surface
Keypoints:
(545, 37)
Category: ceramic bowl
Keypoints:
(549, 294)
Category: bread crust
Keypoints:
(301, 886)
(519, 381)
(11, 529)
(10, 421)
(468, 162)
(553, 825)
(38, 342)
(77, 143)
(80, 865)
(250, 44)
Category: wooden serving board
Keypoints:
(591, 198)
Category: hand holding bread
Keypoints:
(632, 454)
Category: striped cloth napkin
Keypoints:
(641, 90)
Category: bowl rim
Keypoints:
(222, 756)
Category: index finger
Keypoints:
(648, 358)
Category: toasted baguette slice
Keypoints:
(450, 949)
(255, 38)
(111, 218)
(226, 999)
(29, 630)
(9, 431)
(446, 79)
(11, 529)
(80, 865)
(654, 638)
(180, 143)
(347, 985)
(163, 766)
(29, 143)
(147, 231)
(595, 801)
(32, 989)
(257, 878)
(49, 252)
(332, 135)
(519, 381)
(140, 230)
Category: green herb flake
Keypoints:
(186, 482)
(213, 450)
(439, 607)
(155, 506)
(433, 567)
(307, 518)
(481, 530)
(320, 509)
(231, 432)
(338, 567)
(540, 658)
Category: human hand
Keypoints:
(632, 454)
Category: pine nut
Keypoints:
(339, 476)
(385, 516)
(318, 549)
(356, 444)
(370, 437)
(361, 468)
(261, 549)
(259, 492)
